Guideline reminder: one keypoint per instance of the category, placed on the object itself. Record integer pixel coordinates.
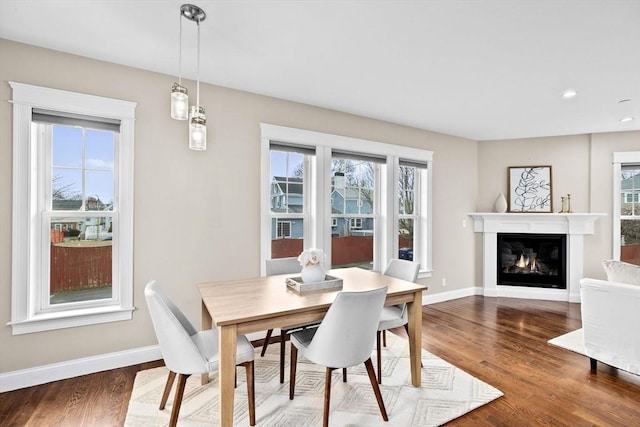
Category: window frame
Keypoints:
(318, 223)
(29, 236)
(620, 159)
(280, 227)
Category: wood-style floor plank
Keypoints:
(502, 341)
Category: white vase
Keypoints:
(500, 205)
(312, 273)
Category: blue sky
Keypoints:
(281, 167)
(97, 151)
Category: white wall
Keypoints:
(197, 213)
(581, 165)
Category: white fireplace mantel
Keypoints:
(575, 226)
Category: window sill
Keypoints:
(424, 274)
(70, 319)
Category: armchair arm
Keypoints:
(611, 323)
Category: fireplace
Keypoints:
(532, 260)
(573, 227)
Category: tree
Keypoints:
(406, 198)
(61, 191)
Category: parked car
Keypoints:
(406, 253)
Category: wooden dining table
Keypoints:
(257, 304)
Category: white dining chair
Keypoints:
(344, 338)
(187, 352)
(275, 266)
(394, 316)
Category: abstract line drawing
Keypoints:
(530, 189)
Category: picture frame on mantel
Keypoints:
(530, 189)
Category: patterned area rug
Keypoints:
(446, 393)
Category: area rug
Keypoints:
(572, 341)
(446, 393)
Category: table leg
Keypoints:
(207, 323)
(415, 337)
(227, 345)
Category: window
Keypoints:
(284, 229)
(289, 211)
(72, 209)
(630, 198)
(352, 206)
(626, 209)
(412, 177)
(355, 223)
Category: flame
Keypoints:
(522, 262)
(534, 266)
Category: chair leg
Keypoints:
(283, 343)
(266, 342)
(594, 364)
(376, 388)
(292, 371)
(167, 389)
(327, 397)
(384, 338)
(344, 375)
(379, 356)
(251, 394)
(177, 400)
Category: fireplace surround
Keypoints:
(572, 226)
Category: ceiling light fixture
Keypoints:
(626, 119)
(569, 93)
(180, 109)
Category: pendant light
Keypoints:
(180, 109)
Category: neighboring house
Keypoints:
(87, 228)
(630, 192)
(349, 200)
(287, 197)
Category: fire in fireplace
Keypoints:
(534, 260)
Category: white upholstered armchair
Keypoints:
(611, 323)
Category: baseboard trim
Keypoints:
(88, 365)
(451, 295)
(73, 368)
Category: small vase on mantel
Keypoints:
(500, 205)
(312, 273)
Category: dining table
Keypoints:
(242, 306)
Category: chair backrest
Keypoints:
(174, 332)
(347, 334)
(402, 269)
(282, 266)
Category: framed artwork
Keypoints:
(530, 189)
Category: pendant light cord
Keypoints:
(198, 72)
(180, 53)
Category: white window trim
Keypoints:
(619, 158)
(24, 318)
(319, 230)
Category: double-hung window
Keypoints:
(626, 206)
(362, 202)
(72, 209)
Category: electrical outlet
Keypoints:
(444, 282)
(464, 223)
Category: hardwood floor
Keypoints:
(501, 341)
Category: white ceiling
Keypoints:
(479, 69)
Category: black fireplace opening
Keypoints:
(533, 260)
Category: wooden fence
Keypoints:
(80, 267)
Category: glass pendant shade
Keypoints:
(179, 102)
(198, 129)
